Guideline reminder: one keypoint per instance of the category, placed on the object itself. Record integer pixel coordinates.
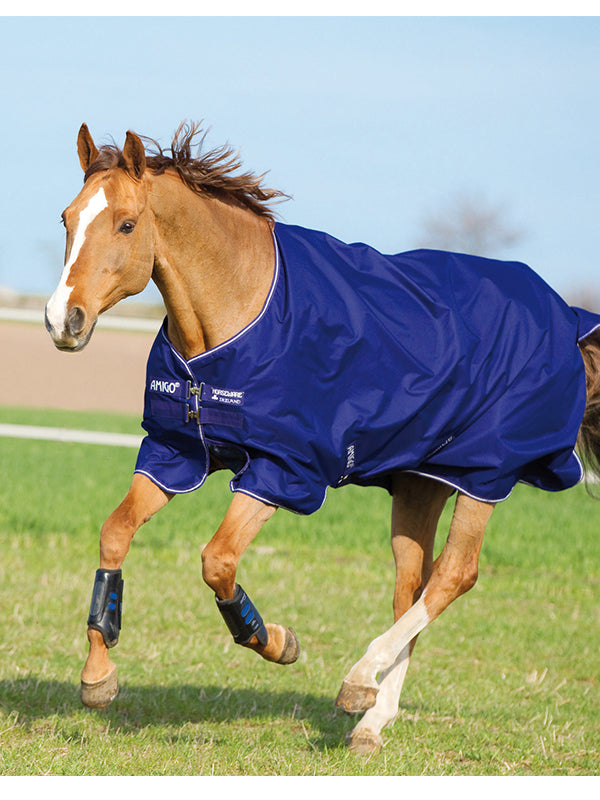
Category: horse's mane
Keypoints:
(588, 440)
(210, 173)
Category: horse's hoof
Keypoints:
(355, 698)
(291, 648)
(100, 694)
(364, 744)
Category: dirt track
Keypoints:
(108, 375)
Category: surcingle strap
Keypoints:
(106, 605)
(242, 618)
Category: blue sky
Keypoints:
(370, 123)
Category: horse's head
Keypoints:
(109, 250)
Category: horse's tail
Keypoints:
(588, 440)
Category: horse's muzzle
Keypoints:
(72, 335)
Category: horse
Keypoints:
(496, 380)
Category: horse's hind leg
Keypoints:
(365, 737)
(416, 508)
(454, 572)
(99, 685)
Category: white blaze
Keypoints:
(56, 310)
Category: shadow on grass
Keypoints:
(137, 707)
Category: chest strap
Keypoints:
(214, 416)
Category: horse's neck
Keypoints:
(214, 265)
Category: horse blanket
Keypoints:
(458, 367)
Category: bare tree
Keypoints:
(470, 224)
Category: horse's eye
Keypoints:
(127, 227)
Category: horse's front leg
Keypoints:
(220, 557)
(99, 685)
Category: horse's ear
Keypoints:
(87, 150)
(134, 155)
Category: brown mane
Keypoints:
(210, 173)
(588, 440)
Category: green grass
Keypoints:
(506, 682)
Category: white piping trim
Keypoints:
(486, 499)
(166, 488)
(454, 486)
(272, 503)
(256, 320)
(245, 330)
(587, 333)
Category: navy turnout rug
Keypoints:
(360, 364)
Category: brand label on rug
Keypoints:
(165, 387)
(350, 463)
(227, 396)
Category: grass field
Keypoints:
(506, 682)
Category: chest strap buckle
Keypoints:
(194, 390)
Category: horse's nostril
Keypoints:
(47, 321)
(76, 320)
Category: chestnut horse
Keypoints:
(204, 235)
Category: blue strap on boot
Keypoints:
(242, 618)
(106, 605)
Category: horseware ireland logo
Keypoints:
(227, 396)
